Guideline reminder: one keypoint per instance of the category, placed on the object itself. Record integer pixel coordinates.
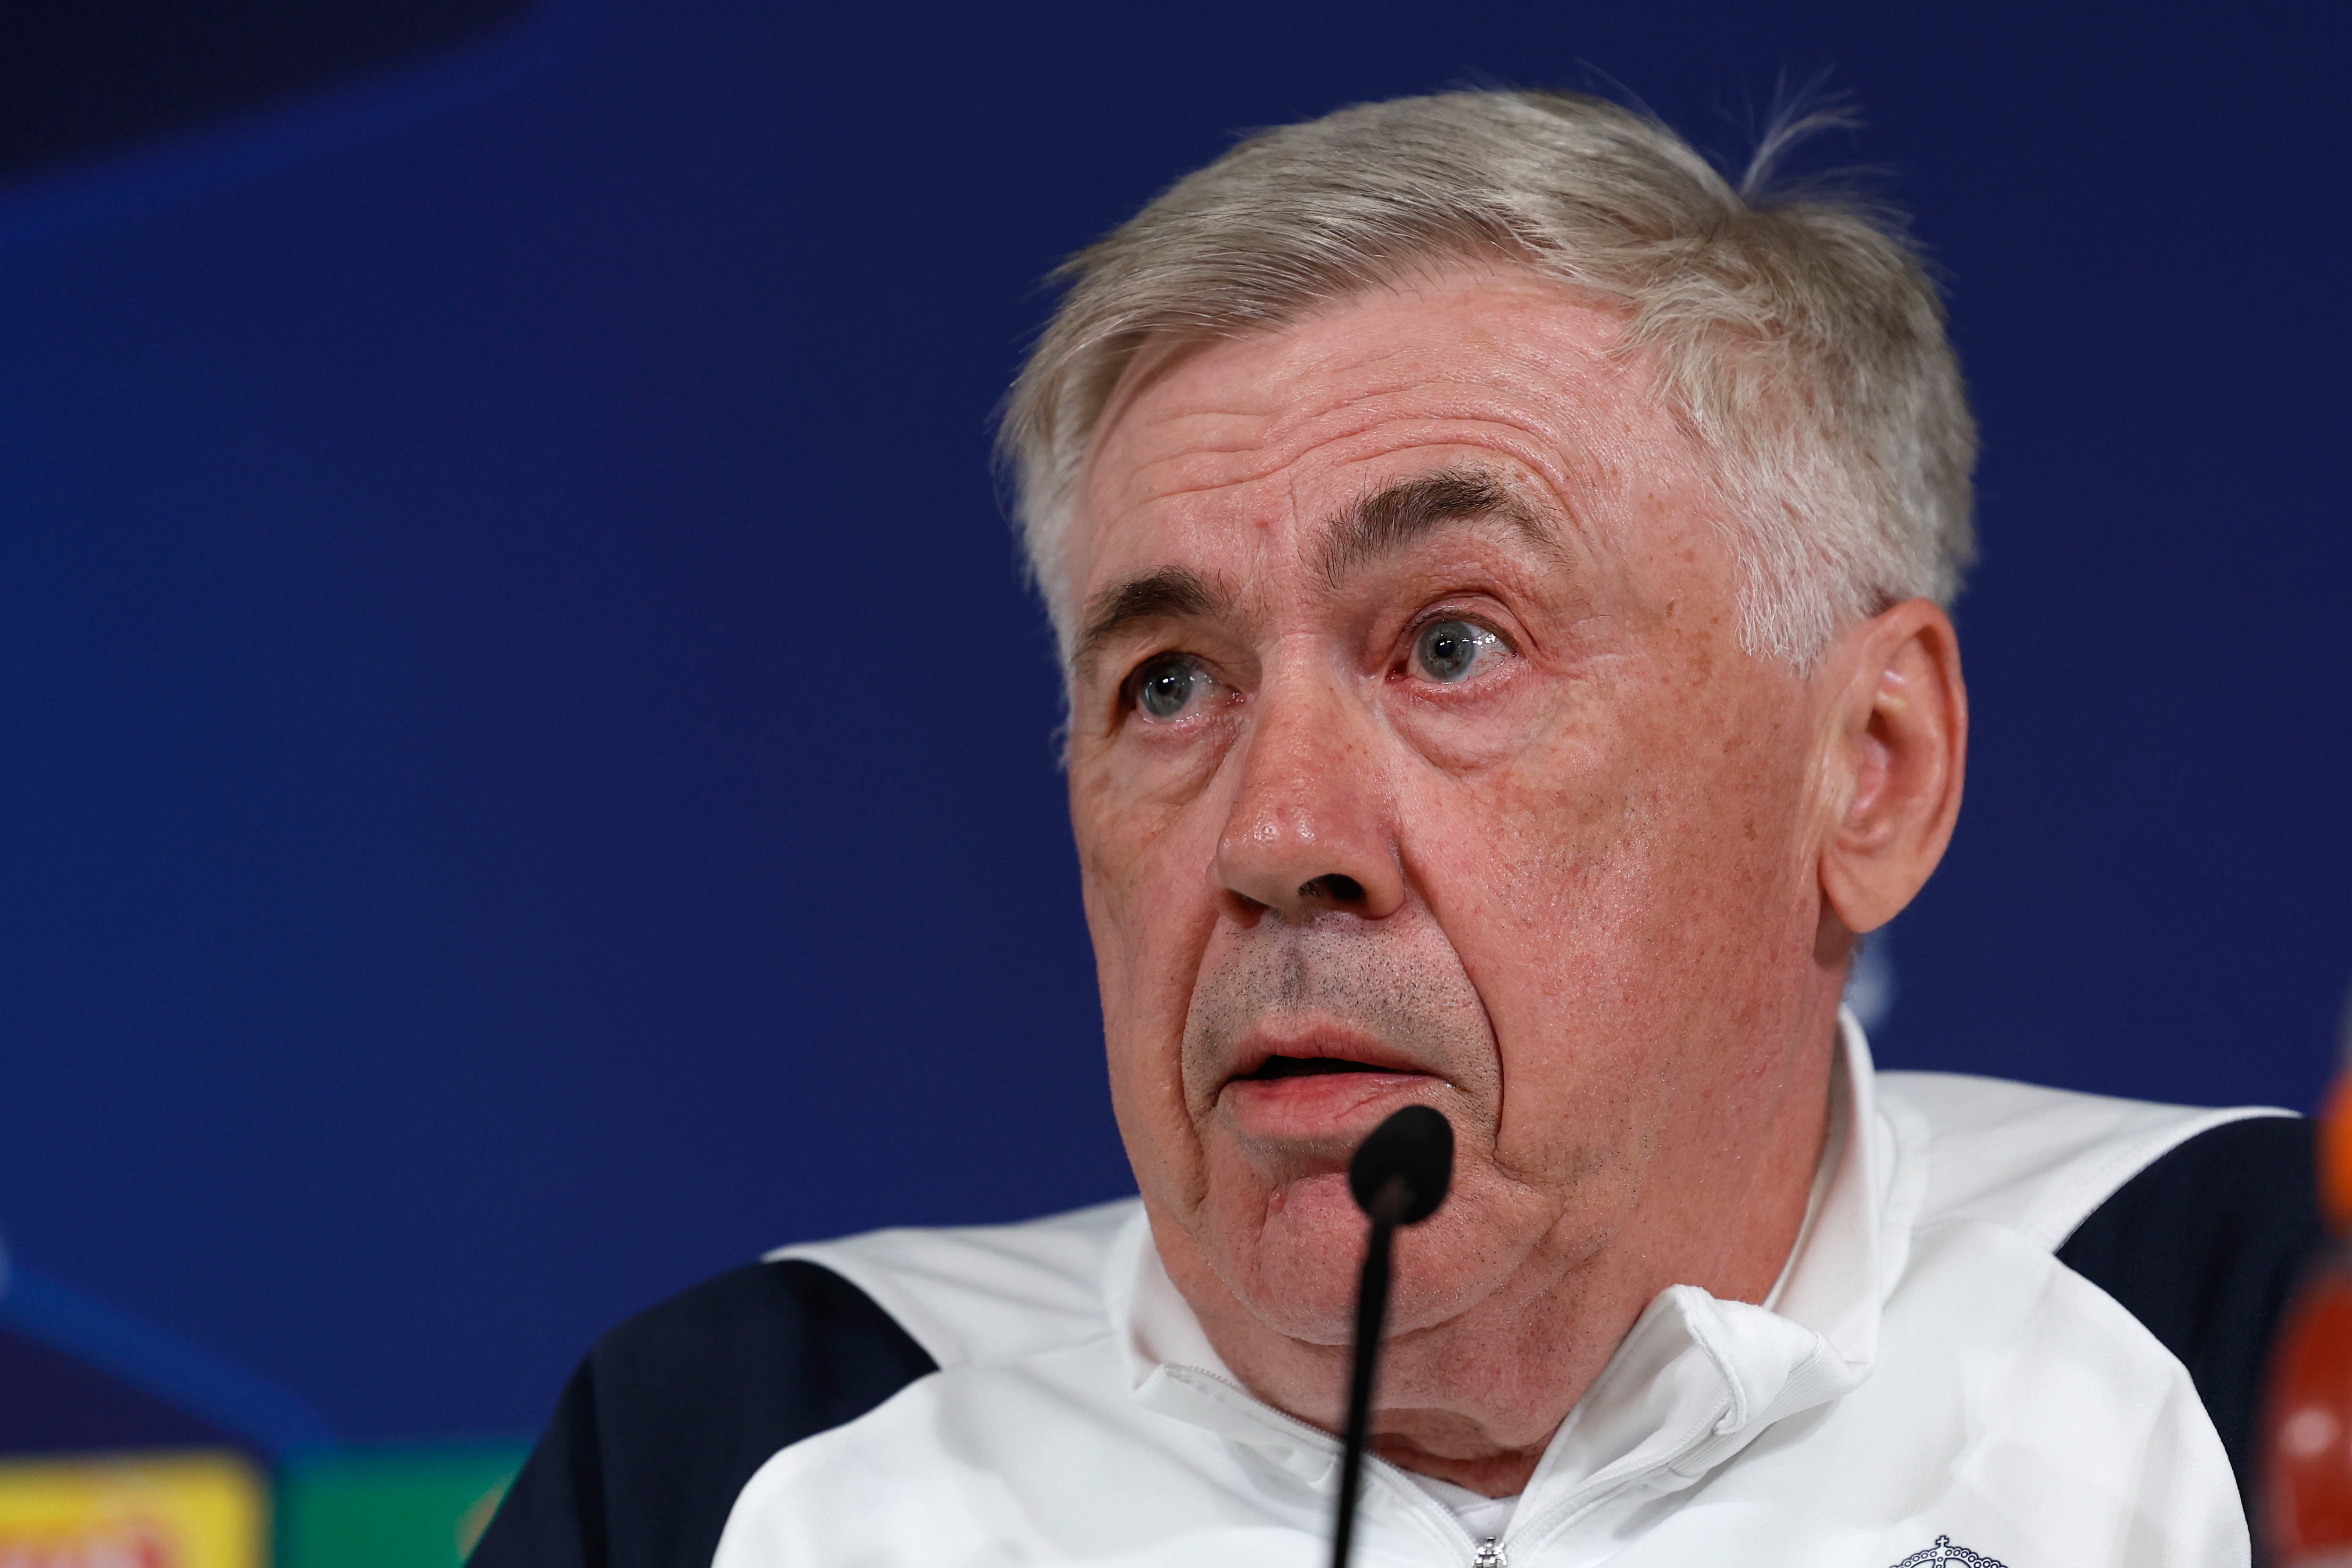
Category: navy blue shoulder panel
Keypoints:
(672, 1412)
(2203, 1247)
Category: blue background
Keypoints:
(527, 763)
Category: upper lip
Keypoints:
(1337, 1043)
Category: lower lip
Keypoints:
(1315, 1104)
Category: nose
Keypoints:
(1308, 830)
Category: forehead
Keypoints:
(1500, 368)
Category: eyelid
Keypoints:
(1479, 606)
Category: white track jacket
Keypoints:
(2021, 1327)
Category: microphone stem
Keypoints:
(1372, 1314)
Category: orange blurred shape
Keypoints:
(2336, 1155)
(2307, 1428)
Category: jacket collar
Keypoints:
(1696, 1380)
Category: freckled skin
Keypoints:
(1608, 879)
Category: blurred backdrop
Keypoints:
(528, 774)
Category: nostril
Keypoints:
(1338, 890)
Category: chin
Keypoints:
(1291, 1254)
(1294, 1255)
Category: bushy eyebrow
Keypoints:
(1170, 593)
(1390, 520)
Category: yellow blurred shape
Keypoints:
(141, 1511)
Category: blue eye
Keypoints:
(1165, 686)
(1449, 651)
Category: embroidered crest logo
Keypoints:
(1945, 1552)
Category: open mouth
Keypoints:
(1321, 1088)
(1307, 1067)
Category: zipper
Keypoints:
(1486, 1553)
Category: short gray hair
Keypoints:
(1796, 332)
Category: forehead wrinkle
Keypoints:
(1237, 434)
(1184, 471)
(1271, 421)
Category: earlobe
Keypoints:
(1897, 756)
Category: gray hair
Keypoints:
(1795, 332)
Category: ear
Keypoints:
(1897, 749)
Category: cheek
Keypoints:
(1613, 898)
(1142, 867)
(1143, 809)
(1541, 894)
(1150, 917)
(1143, 859)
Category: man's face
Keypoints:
(1415, 758)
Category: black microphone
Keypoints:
(1398, 1175)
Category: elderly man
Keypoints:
(1501, 570)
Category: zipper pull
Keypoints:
(1490, 1554)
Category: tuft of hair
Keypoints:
(1794, 330)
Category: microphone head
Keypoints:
(1401, 1171)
